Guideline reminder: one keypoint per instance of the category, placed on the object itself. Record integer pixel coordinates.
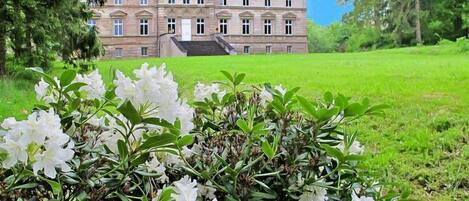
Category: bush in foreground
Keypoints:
(138, 140)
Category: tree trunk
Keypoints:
(418, 29)
(3, 52)
(3, 37)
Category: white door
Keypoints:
(186, 29)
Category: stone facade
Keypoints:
(201, 20)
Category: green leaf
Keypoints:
(354, 109)
(159, 140)
(263, 196)
(25, 186)
(328, 98)
(67, 77)
(267, 149)
(147, 174)
(140, 159)
(110, 94)
(129, 111)
(228, 75)
(334, 152)
(158, 122)
(185, 140)
(74, 87)
(324, 114)
(165, 195)
(307, 106)
(56, 188)
(239, 78)
(123, 197)
(123, 150)
(243, 125)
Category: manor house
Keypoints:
(165, 28)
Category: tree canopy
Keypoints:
(38, 31)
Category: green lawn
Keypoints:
(422, 143)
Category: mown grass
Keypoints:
(421, 144)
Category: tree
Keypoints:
(35, 28)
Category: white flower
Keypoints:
(355, 148)
(9, 123)
(94, 88)
(155, 166)
(207, 190)
(314, 193)
(187, 152)
(185, 114)
(282, 90)
(41, 89)
(125, 88)
(174, 160)
(16, 152)
(43, 93)
(202, 91)
(53, 156)
(362, 198)
(186, 190)
(265, 96)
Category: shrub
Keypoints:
(138, 140)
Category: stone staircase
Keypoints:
(202, 48)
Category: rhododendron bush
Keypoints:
(137, 139)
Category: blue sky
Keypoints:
(325, 12)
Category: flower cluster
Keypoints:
(157, 93)
(202, 92)
(38, 140)
(94, 88)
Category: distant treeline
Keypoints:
(379, 24)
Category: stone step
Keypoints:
(202, 48)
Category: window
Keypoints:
(91, 23)
(200, 26)
(267, 3)
(200, 1)
(144, 27)
(268, 27)
(245, 2)
(143, 2)
(289, 49)
(144, 51)
(288, 27)
(118, 27)
(247, 49)
(118, 52)
(223, 26)
(186, 2)
(171, 1)
(268, 49)
(288, 3)
(118, 2)
(222, 2)
(171, 25)
(246, 26)
(92, 4)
